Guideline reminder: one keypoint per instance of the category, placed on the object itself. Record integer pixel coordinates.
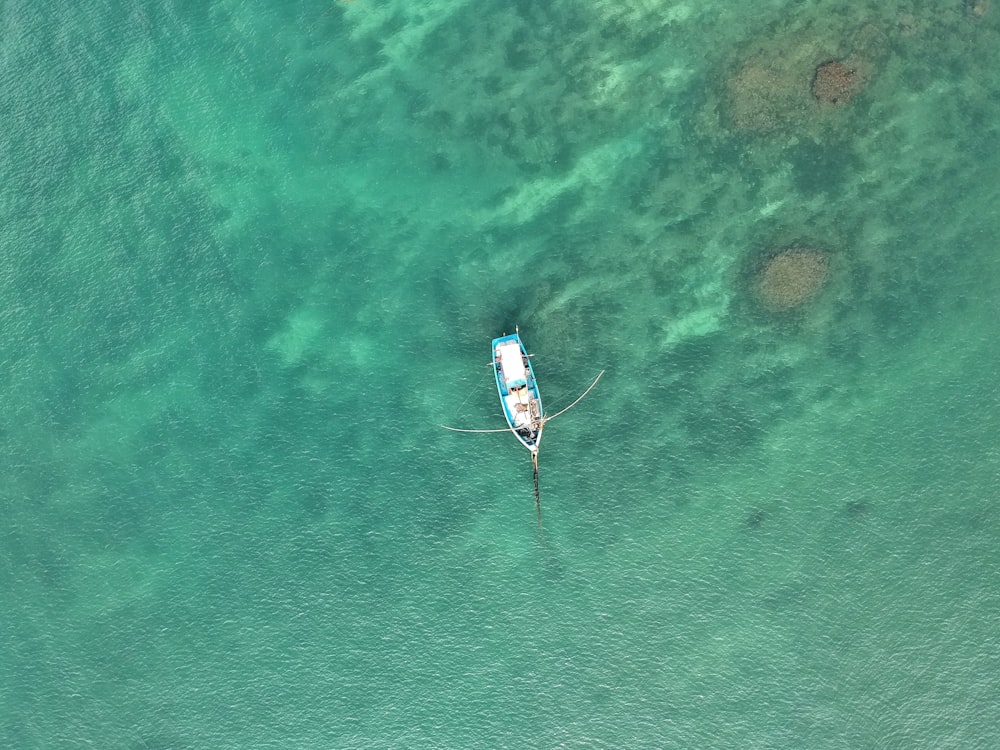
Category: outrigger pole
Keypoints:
(578, 400)
(541, 422)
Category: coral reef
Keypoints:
(977, 8)
(536, 88)
(837, 82)
(790, 277)
(786, 80)
(764, 96)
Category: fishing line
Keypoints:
(472, 392)
(538, 497)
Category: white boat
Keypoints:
(518, 389)
(520, 398)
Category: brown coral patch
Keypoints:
(790, 79)
(837, 82)
(790, 277)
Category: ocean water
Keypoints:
(253, 254)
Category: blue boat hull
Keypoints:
(518, 390)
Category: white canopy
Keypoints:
(511, 362)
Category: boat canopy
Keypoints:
(514, 372)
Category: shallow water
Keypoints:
(254, 254)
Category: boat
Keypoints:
(521, 400)
(518, 389)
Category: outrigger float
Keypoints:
(521, 400)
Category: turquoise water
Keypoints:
(253, 255)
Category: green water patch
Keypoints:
(253, 258)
